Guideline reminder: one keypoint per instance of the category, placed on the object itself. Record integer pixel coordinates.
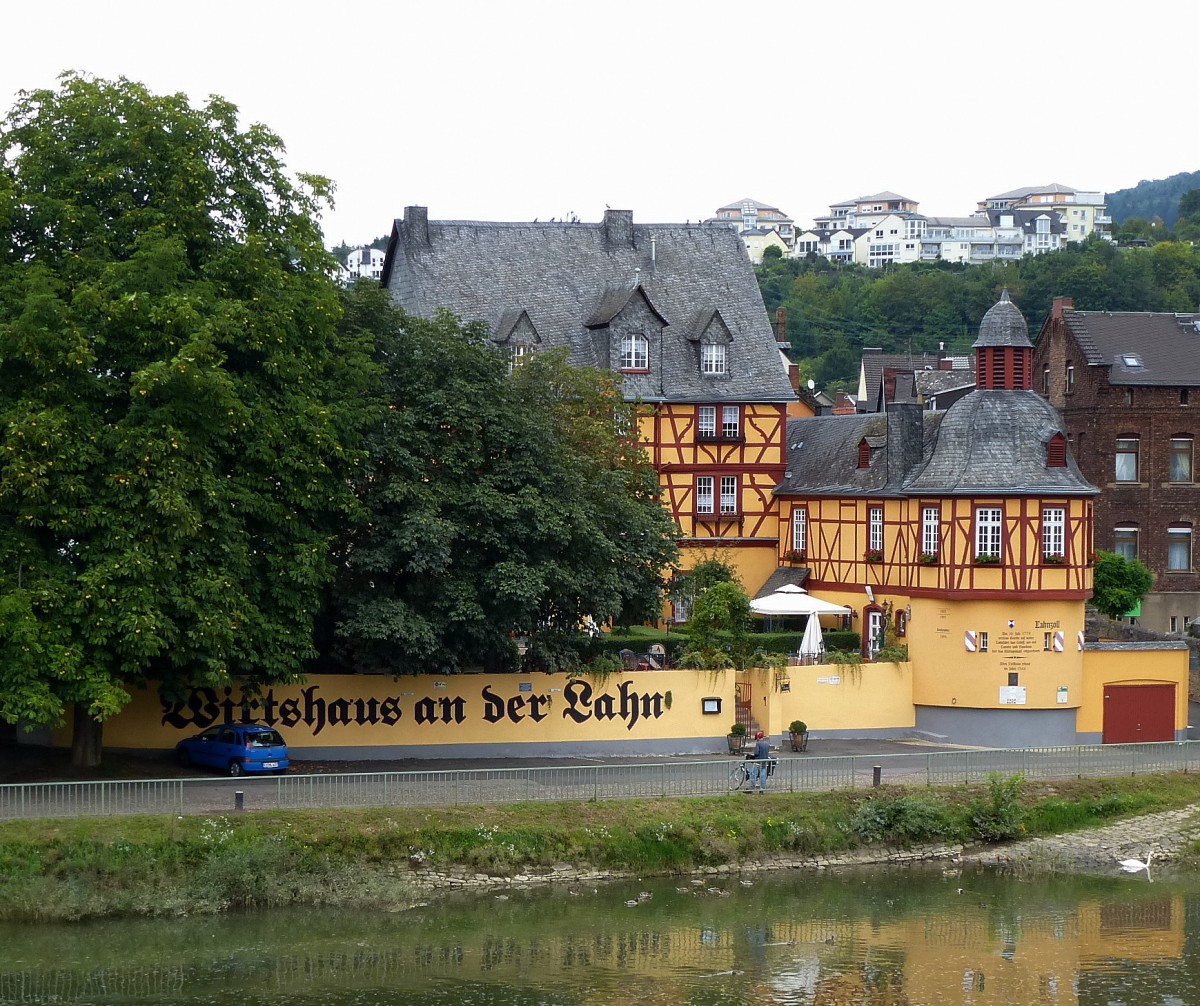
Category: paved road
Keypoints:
(827, 765)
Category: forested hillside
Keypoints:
(1150, 199)
(834, 311)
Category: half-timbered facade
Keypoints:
(965, 535)
(674, 309)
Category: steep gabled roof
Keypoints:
(1166, 346)
(564, 275)
(1029, 190)
(874, 363)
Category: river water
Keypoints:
(921, 936)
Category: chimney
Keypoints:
(946, 363)
(416, 222)
(618, 228)
(781, 324)
(905, 431)
(844, 406)
(1060, 305)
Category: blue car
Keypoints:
(235, 749)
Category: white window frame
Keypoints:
(731, 422)
(1179, 549)
(729, 494)
(704, 494)
(989, 531)
(1121, 459)
(1122, 536)
(1054, 531)
(982, 639)
(706, 421)
(635, 352)
(681, 609)
(800, 529)
(713, 358)
(875, 528)
(1181, 449)
(931, 530)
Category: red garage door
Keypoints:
(1134, 713)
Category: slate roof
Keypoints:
(567, 274)
(795, 575)
(1026, 219)
(1028, 190)
(874, 363)
(1168, 345)
(1003, 325)
(989, 442)
(994, 441)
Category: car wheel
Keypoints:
(185, 759)
(235, 768)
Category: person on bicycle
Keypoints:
(759, 762)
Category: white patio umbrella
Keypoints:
(813, 643)
(792, 600)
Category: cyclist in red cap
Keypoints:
(759, 762)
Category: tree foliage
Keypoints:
(835, 310)
(498, 504)
(719, 628)
(176, 407)
(1119, 583)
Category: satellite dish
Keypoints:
(811, 384)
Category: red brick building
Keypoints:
(1127, 385)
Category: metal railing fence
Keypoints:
(623, 780)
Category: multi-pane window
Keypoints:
(931, 521)
(729, 494)
(1125, 542)
(731, 421)
(983, 642)
(518, 354)
(1126, 469)
(875, 529)
(704, 494)
(989, 523)
(1181, 459)
(800, 529)
(1179, 548)
(1054, 526)
(635, 353)
(683, 608)
(706, 421)
(712, 358)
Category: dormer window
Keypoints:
(635, 352)
(713, 358)
(520, 352)
(864, 453)
(1056, 452)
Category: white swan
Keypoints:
(1134, 865)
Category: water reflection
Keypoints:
(869, 937)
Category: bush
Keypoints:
(892, 654)
(738, 730)
(902, 819)
(798, 727)
(843, 657)
(842, 639)
(1001, 815)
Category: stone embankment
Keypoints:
(1163, 835)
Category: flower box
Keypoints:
(873, 555)
(1054, 560)
(987, 560)
(794, 555)
(930, 558)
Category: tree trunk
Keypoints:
(86, 737)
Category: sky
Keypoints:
(522, 110)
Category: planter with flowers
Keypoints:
(873, 555)
(794, 555)
(1055, 559)
(987, 560)
(930, 558)
(737, 738)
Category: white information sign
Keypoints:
(1012, 695)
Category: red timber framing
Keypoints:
(755, 457)
(838, 551)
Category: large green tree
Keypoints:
(498, 504)
(176, 404)
(1119, 584)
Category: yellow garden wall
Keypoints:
(469, 715)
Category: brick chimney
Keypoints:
(844, 406)
(1061, 304)
(781, 324)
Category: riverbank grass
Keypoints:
(170, 866)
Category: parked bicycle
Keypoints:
(740, 776)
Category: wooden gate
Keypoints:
(1134, 713)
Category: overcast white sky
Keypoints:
(519, 110)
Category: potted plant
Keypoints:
(929, 558)
(737, 738)
(987, 559)
(1054, 558)
(794, 555)
(798, 732)
(873, 555)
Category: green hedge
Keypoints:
(639, 640)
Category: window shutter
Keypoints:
(864, 454)
(1056, 452)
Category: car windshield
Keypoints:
(263, 739)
